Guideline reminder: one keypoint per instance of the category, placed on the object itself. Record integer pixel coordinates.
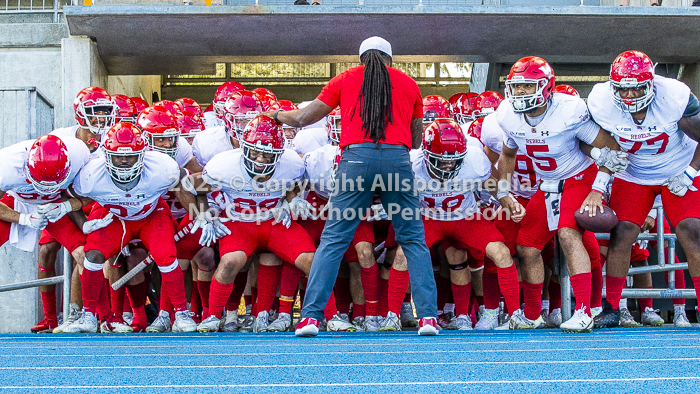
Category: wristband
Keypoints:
(690, 172)
(503, 189)
(600, 184)
(68, 205)
(275, 116)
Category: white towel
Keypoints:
(552, 199)
(23, 237)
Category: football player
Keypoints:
(654, 119)
(129, 186)
(548, 129)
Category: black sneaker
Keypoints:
(608, 318)
(301, 2)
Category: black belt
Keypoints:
(375, 146)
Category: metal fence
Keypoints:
(36, 6)
(666, 263)
(65, 279)
(25, 113)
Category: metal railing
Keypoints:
(666, 263)
(65, 279)
(36, 6)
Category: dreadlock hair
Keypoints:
(375, 95)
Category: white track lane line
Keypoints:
(295, 385)
(631, 360)
(344, 353)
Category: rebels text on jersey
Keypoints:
(160, 173)
(553, 145)
(209, 143)
(13, 177)
(251, 201)
(453, 199)
(525, 180)
(320, 169)
(657, 149)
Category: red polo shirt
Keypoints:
(343, 91)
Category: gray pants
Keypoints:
(368, 161)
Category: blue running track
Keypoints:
(663, 360)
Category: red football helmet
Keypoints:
(566, 89)
(333, 125)
(158, 122)
(189, 124)
(436, 107)
(530, 70)
(48, 166)
(463, 105)
(487, 103)
(123, 140)
(222, 94)
(88, 102)
(267, 98)
(240, 109)
(475, 128)
(444, 145)
(262, 137)
(632, 70)
(188, 105)
(126, 111)
(285, 105)
(169, 105)
(139, 103)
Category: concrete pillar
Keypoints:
(480, 73)
(136, 85)
(81, 67)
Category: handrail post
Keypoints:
(660, 235)
(67, 273)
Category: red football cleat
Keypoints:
(428, 326)
(46, 325)
(307, 327)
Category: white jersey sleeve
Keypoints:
(657, 149)
(160, 172)
(553, 145)
(184, 152)
(320, 169)
(309, 139)
(210, 120)
(209, 143)
(249, 200)
(492, 134)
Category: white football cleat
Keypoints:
(261, 322)
(184, 322)
(679, 317)
(87, 323)
(210, 324)
(372, 323)
(460, 323)
(74, 313)
(579, 322)
(488, 320)
(651, 317)
(281, 324)
(161, 324)
(554, 319)
(428, 326)
(390, 323)
(340, 323)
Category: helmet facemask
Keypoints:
(632, 105)
(271, 154)
(433, 161)
(333, 128)
(526, 102)
(87, 110)
(170, 133)
(121, 173)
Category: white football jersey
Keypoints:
(210, 120)
(553, 145)
(182, 157)
(13, 176)
(309, 139)
(454, 199)
(70, 132)
(251, 201)
(525, 180)
(209, 143)
(657, 149)
(320, 169)
(160, 173)
(465, 127)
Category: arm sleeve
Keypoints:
(330, 95)
(509, 142)
(693, 107)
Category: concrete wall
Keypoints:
(80, 67)
(135, 85)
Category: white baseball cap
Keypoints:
(377, 43)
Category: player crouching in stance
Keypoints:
(549, 128)
(259, 180)
(655, 119)
(129, 187)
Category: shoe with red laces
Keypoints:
(115, 324)
(46, 325)
(428, 326)
(307, 327)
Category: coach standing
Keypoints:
(381, 119)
